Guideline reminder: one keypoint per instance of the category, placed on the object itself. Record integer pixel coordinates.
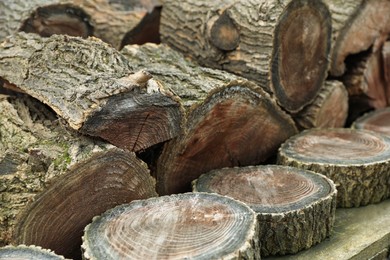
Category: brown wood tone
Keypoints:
(356, 26)
(183, 226)
(229, 120)
(93, 87)
(295, 208)
(377, 121)
(386, 68)
(54, 181)
(109, 20)
(282, 45)
(27, 252)
(329, 108)
(356, 160)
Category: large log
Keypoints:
(356, 26)
(184, 226)
(282, 45)
(108, 20)
(358, 161)
(377, 121)
(92, 87)
(295, 208)
(54, 181)
(27, 252)
(229, 120)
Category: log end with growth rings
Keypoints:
(27, 252)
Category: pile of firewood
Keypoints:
(243, 116)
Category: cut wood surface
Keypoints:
(27, 253)
(282, 45)
(329, 108)
(377, 121)
(356, 160)
(229, 121)
(295, 208)
(356, 26)
(105, 19)
(54, 181)
(184, 226)
(92, 87)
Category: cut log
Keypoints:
(386, 68)
(356, 160)
(329, 108)
(377, 121)
(282, 45)
(54, 181)
(92, 87)
(295, 208)
(356, 26)
(27, 252)
(184, 226)
(108, 20)
(230, 121)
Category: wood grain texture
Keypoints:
(229, 120)
(356, 160)
(183, 226)
(273, 45)
(55, 180)
(377, 121)
(80, 84)
(27, 252)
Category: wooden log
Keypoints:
(27, 252)
(295, 208)
(265, 41)
(54, 181)
(356, 26)
(92, 87)
(329, 108)
(108, 20)
(377, 121)
(386, 68)
(356, 160)
(183, 226)
(229, 120)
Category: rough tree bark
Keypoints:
(27, 252)
(108, 20)
(254, 39)
(295, 208)
(358, 161)
(377, 121)
(229, 121)
(184, 226)
(329, 108)
(54, 181)
(356, 26)
(92, 87)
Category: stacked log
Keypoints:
(377, 121)
(53, 181)
(27, 252)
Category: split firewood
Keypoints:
(108, 20)
(358, 161)
(53, 181)
(295, 208)
(282, 45)
(92, 87)
(184, 226)
(229, 120)
(329, 108)
(27, 252)
(356, 26)
(377, 121)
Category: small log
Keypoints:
(295, 208)
(377, 121)
(108, 20)
(229, 120)
(356, 160)
(27, 252)
(184, 226)
(92, 87)
(53, 181)
(329, 108)
(255, 39)
(356, 26)
(386, 68)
